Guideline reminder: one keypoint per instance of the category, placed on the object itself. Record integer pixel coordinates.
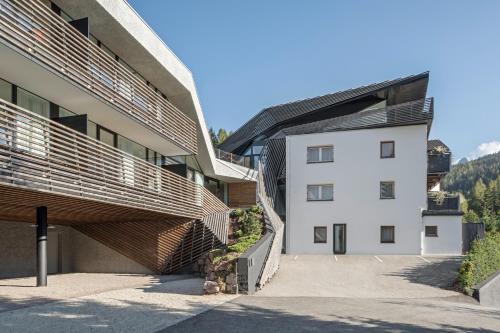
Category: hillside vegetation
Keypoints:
(479, 182)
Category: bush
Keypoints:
(482, 260)
(244, 243)
(248, 228)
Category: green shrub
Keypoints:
(244, 243)
(482, 260)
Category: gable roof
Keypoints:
(431, 144)
(272, 116)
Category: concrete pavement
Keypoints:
(104, 304)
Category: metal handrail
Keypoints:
(30, 27)
(37, 153)
(229, 157)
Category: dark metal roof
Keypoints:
(273, 116)
(431, 144)
(411, 113)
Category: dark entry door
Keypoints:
(339, 238)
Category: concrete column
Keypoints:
(41, 248)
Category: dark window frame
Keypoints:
(393, 155)
(393, 234)
(320, 147)
(320, 200)
(427, 234)
(393, 189)
(326, 235)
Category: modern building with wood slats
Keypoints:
(106, 164)
(354, 172)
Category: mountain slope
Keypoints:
(462, 177)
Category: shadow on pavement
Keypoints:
(441, 273)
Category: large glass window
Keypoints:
(5, 91)
(106, 136)
(65, 113)
(320, 192)
(387, 234)
(33, 103)
(387, 190)
(91, 129)
(319, 154)
(131, 147)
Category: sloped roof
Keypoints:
(274, 115)
(415, 112)
(434, 143)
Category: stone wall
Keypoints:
(219, 276)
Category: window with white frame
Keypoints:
(322, 192)
(320, 154)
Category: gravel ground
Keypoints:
(112, 303)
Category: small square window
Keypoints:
(431, 231)
(386, 234)
(387, 149)
(387, 190)
(320, 234)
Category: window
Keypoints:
(106, 136)
(33, 103)
(131, 147)
(5, 91)
(431, 231)
(387, 190)
(320, 234)
(320, 192)
(320, 154)
(387, 149)
(91, 129)
(386, 234)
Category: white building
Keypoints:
(354, 173)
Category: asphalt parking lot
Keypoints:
(364, 276)
(353, 294)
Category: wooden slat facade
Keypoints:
(242, 195)
(149, 214)
(31, 28)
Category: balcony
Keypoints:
(32, 29)
(232, 158)
(450, 204)
(38, 155)
(438, 163)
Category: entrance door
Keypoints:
(339, 238)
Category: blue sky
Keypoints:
(247, 55)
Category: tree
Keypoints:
(213, 137)
(220, 137)
(477, 200)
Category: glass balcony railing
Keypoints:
(438, 163)
(450, 203)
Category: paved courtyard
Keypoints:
(364, 276)
(353, 294)
(101, 303)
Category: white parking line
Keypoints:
(336, 258)
(423, 259)
(295, 258)
(378, 258)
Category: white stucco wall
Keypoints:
(449, 240)
(356, 174)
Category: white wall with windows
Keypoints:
(442, 234)
(378, 191)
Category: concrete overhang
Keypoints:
(233, 173)
(116, 24)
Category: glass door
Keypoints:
(339, 238)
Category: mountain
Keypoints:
(463, 160)
(463, 176)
